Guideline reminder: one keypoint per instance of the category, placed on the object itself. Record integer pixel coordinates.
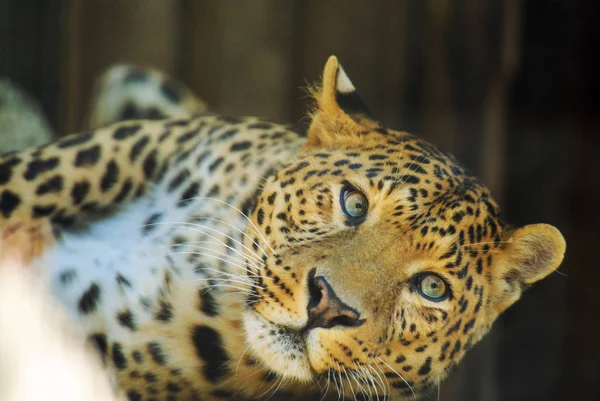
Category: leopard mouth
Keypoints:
(280, 349)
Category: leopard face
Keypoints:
(382, 259)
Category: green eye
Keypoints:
(354, 204)
(432, 287)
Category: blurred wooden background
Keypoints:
(511, 87)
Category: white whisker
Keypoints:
(224, 254)
(361, 376)
(235, 228)
(237, 366)
(225, 286)
(341, 380)
(368, 382)
(485, 243)
(255, 262)
(194, 227)
(380, 380)
(399, 375)
(206, 255)
(359, 386)
(372, 382)
(236, 277)
(277, 388)
(226, 273)
(220, 282)
(238, 301)
(409, 166)
(349, 383)
(257, 231)
(326, 389)
(561, 273)
(269, 389)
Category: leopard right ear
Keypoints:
(532, 252)
(341, 112)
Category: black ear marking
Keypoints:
(348, 98)
(352, 104)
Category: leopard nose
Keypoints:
(325, 309)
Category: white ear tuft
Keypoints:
(343, 83)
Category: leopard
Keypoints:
(214, 257)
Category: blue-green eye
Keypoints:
(354, 204)
(432, 287)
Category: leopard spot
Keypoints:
(209, 349)
(87, 157)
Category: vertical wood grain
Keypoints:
(106, 32)
(238, 55)
(31, 37)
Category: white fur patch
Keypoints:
(343, 84)
(113, 247)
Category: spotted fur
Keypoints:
(195, 251)
(129, 92)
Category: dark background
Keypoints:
(511, 87)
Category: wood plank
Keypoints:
(116, 31)
(239, 57)
(342, 28)
(30, 47)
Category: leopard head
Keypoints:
(384, 260)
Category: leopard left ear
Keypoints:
(533, 252)
(340, 109)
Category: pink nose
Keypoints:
(325, 309)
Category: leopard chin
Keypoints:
(280, 350)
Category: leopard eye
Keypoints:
(432, 287)
(354, 204)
